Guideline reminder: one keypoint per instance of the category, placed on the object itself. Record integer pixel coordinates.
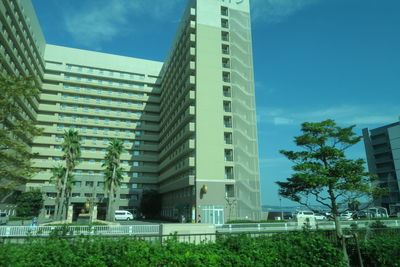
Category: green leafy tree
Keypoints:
(16, 131)
(112, 173)
(29, 203)
(72, 152)
(150, 204)
(58, 174)
(324, 174)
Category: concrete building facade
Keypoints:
(382, 146)
(188, 124)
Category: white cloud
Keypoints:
(99, 21)
(282, 121)
(275, 11)
(346, 114)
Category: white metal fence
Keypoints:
(104, 230)
(122, 230)
(291, 226)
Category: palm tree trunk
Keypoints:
(57, 200)
(111, 198)
(60, 216)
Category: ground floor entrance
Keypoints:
(212, 214)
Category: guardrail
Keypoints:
(104, 230)
(292, 226)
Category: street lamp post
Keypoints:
(280, 204)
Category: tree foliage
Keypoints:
(29, 203)
(113, 173)
(16, 131)
(322, 171)
(324, 174)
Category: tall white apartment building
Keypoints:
(188, 124)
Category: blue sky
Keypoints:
(313, 60)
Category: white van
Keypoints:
(3, 218)
(123, 215)
(304, 214)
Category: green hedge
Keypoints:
(379, 249)
(300, 249)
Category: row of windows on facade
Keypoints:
(97, 120)
(101, 174)
(110, 82)
(123, 163)
(95, 130)
(121, 196)
(109, 102)
(105, 141)
(100, 91)
(103, 150)
(111, 73)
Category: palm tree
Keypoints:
(57, 179)
(113, 172)
(72, 152)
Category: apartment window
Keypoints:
(224, 23)
(135, 152)
(229, 190)
(124, 185)
(60, 127)
(228, 155)
(227, 106)
(228, 138)
(89, 184)
(227, 91)
(225, 36)
(100, 184)
(138, 133)
(77, 183)
(225, 49)
(138, 123)
(228, 122)
(106, 130)
(88, 195)
(91, 161)
(224, 11)
(135, 175)
(95, 130)
(84, 129)
(76, 194)
(135, 163)
(94, 139)
(99, 195)
(226, 77)
(226, 63)
(228, 172)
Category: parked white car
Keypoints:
(123, 215)
(3, 218)
(320, 217)
(304, 214)
(346, 216)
